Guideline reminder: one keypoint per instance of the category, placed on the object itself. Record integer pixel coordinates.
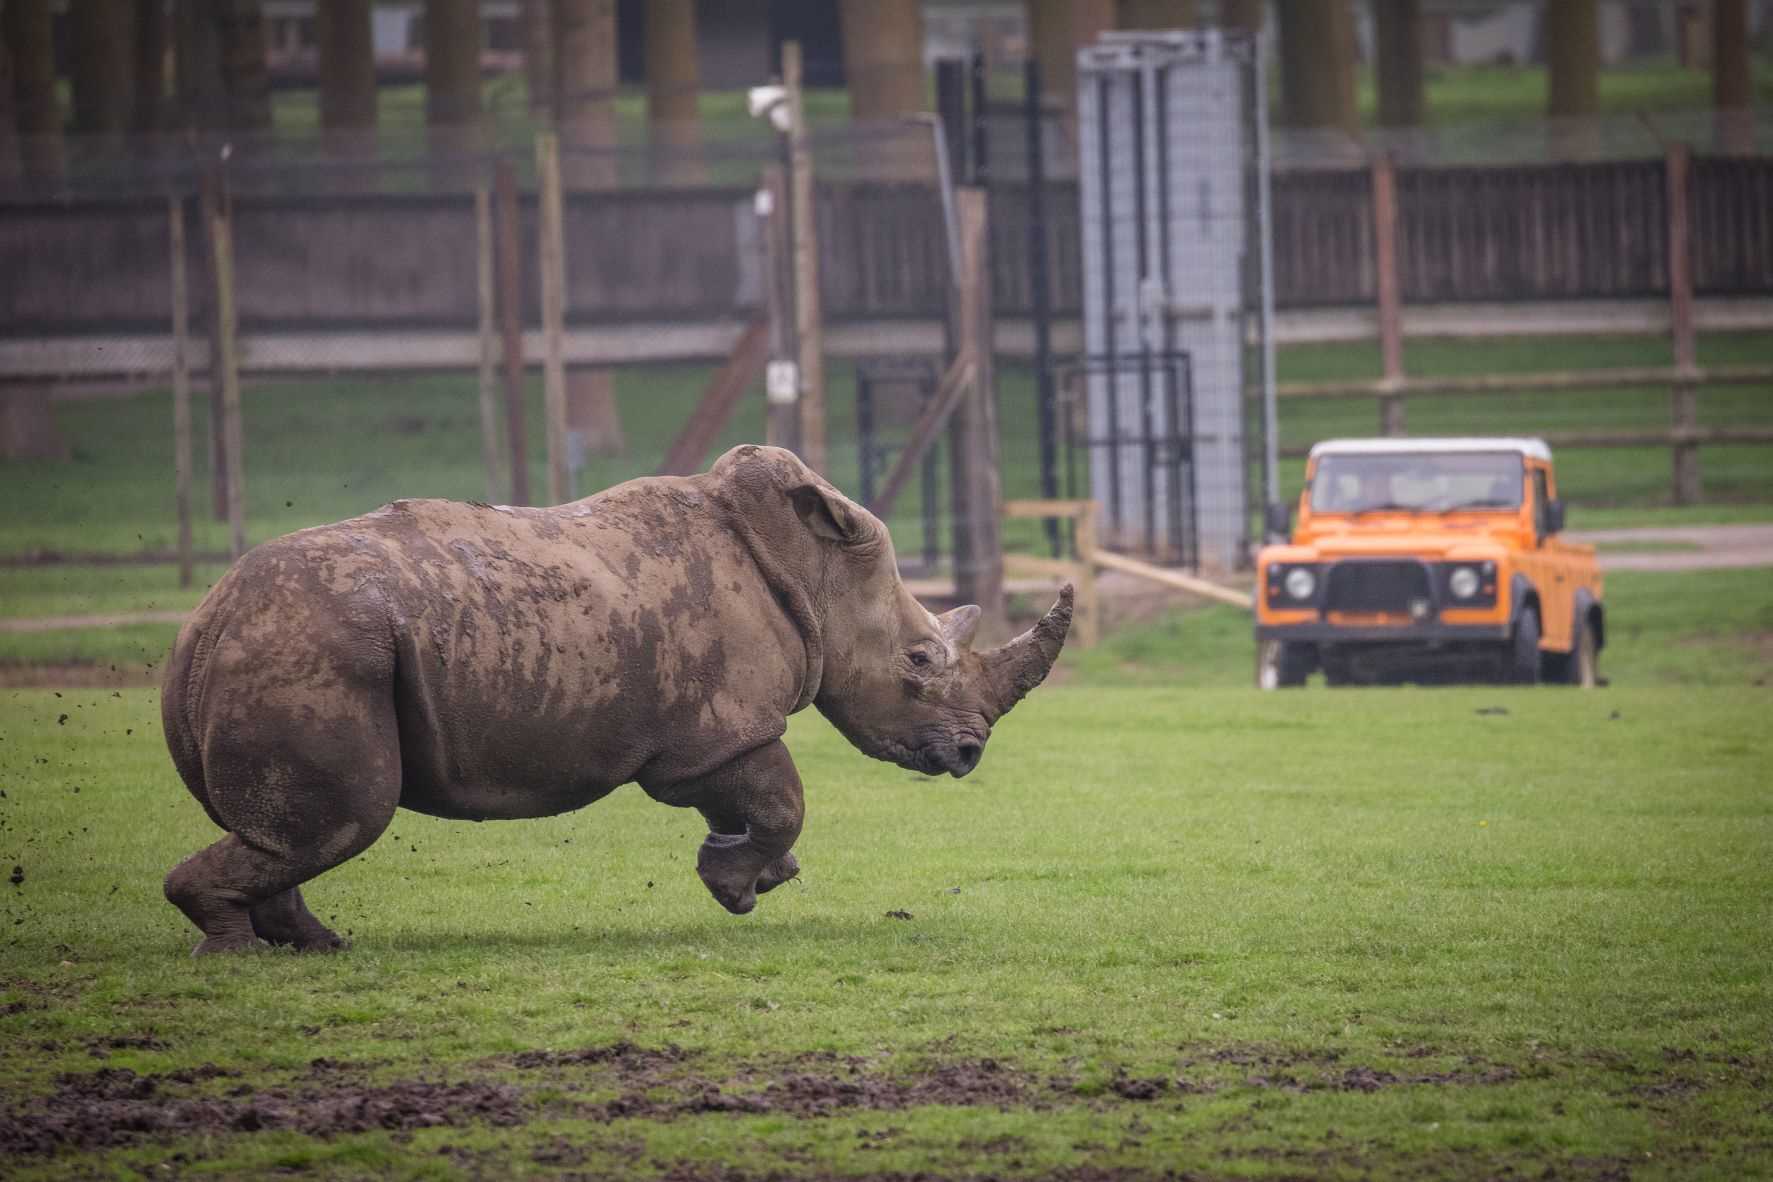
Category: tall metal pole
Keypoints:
(1039, 281)
(1265, 247)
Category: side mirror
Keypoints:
(1554, 517)
(1277, 518)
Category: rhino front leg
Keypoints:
(754, 810)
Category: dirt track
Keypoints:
(1701, 547)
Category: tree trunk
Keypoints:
(27, 426)
(197, 69)
(452, 74)
(538, 55)
(1732, 84)
(1732, 80)
(883, 57)
(585, 81)
(152, 33)
(246, 75)
(101, 35)
(10, 170)
(1398, 39)
(1573, 53)
(1242, 14)
(672, 83)
(1159, 14)
(1057, 28)
(347, 74)
(29, 36)
(1317, 64)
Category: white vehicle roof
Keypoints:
(1365, 447)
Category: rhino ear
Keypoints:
(959, 625)
(827, 514)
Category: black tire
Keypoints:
(1282, 664)
(1523, 651)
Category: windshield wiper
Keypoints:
(1387, 507)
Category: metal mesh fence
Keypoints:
(371, 282)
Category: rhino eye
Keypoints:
(920, 658)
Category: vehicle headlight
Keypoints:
(1300, 582)
(1463, 582)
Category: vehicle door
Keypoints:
(1555, 566)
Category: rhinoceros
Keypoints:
(484, 662)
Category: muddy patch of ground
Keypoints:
(116, 1106)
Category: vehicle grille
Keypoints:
(1375, 586)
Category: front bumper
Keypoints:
(1427, 633)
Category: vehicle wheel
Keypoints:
(1282, 665)
(1523, 665)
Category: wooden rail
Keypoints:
(1630, 378)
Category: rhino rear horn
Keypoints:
(1022, 664)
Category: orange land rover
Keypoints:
(1427, 560)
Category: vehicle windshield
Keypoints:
(1416, 482)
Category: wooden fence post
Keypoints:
(553, 252)
(808, 313)
(181, 384)
(231, 430)
(972, 434)
(782, 424)
(209, 194)
(1391, 327)
(510, 262)
(491, 457)
(1684, 397)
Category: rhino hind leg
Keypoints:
(294, 807)
(754, 810)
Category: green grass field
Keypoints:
(1465, 933)
(1171, 924)
(322, 450)
(1454, 95)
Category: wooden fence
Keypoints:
(402, 260)
(1393, 258)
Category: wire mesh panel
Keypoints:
(1165, 127)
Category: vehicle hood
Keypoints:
(1398, 543)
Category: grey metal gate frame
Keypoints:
(1174, 189)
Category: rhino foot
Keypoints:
(778, 872)
(727, 866)
(285, 920)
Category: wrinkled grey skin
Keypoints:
(474, 662)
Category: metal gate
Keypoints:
(1171, 192)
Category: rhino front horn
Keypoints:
(1023, 663)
